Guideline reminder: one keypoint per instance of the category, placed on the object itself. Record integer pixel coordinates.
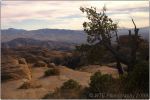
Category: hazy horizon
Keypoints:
(67, 15)
(61, 28)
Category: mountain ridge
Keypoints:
(29, 42)
(62, 35)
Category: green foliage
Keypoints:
(69, 90)
(73, 61)
(100, 29)
(100, 83)
(70, 84)
(99, 26)
(138, 79)
(143, 50)
(94, 54)
(51, 72)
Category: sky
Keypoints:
(32, 15)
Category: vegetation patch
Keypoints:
(69, 90)
(138, 80)
(70, 84)
(52, 72)
(30, 84)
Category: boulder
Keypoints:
(40, 64)
(51, 65)
(22, 61)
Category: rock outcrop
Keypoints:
(13, 68)
(51, 65)
(40, 64)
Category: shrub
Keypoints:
(69, 90)
(70, 84)
(30, 84)
(57, 61)
(51, 72)
(99, 84)
(138, 79)
(72, 62)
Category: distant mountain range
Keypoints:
(70, 36)
(27, 42)
(61, 35)
(57, 39)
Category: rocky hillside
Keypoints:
(23, 72)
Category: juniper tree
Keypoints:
(101, 29)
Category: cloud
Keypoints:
(66, 14)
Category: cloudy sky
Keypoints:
(66, 14)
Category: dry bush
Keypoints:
(69, 90)
(30, 84)
(52, 72)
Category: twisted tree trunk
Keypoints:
(121, 58)
(134, 41)
(119, 67)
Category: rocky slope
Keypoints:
(21, 65)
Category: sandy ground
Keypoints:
(103, 69)
(10, 89)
